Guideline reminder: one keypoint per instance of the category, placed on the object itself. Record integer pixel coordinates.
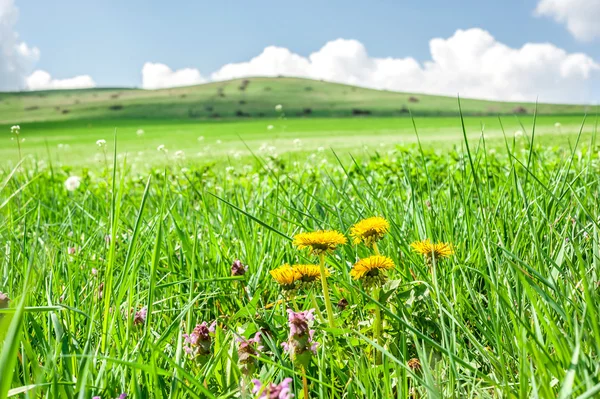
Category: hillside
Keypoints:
(246, 98)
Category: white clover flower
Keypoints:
(297, 143)
(518, 134)
(185, 170)
(16, 129)
(201, 138)
(72, 183)
(60, 146)
(161, 148)
(229, 169)
(270, 127)
(279, 108)
(492, 151)
(140, 132)
(101, 143)
(557, 125)
(179, 154)
(321, 149)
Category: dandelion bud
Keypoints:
(272, 391)
(414, 364)
(237, 268)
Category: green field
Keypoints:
(177, 118)
(110, 265)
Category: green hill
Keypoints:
(246, 98)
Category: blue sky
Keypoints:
(111, 40)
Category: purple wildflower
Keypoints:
(4, 300)
(100, 290)
(238, 269)
(272, 391)
(140, 316)
(300, 343)
(197, 344)
(247, 351)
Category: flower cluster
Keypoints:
(300, 345)
(272, 391)
(197, 344)
(247, 352)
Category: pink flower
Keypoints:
(238, 269)
(4, 300)
(300, 344)
(197, 344)
(272, 391)
(140, 316)
(247, 351)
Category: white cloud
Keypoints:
(159, 76)
(41, 80)
(16, 57)
(582, 17)
(471, 63)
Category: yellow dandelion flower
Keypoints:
(286, 276)
(371, 266)
(432, 251)
(320, 242)
(309, 273)
(370, 230)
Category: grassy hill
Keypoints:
(244, 99)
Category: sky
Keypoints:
(506, 50)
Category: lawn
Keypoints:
(74, 142)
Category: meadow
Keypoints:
(132, 270)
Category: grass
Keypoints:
(513, 313)
(226, 100)
(72, 143)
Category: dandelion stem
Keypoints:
(376, 249)
(316, 306)
(304, 383)
(326, 291)
(378, 327)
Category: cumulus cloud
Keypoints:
(16, 57)
(580, 16)
(470, 62)
(41, 80)
(159, 76)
